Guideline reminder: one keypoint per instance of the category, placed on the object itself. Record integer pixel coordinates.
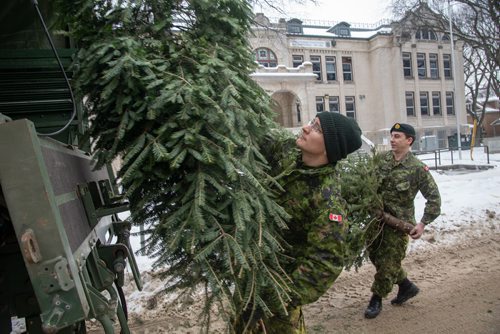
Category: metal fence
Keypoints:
(439, 153)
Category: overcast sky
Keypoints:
(352, 11)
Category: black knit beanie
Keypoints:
(342, 135)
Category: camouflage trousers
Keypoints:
(386, 251)
(292, 324)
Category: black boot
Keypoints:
(374, 307)
(406, 291)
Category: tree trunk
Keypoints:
(394, 222)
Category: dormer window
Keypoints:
(342, 29)
(294, 26)
(426, 35)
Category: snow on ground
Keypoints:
(470, 198)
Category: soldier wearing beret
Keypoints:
(402, 177)
(311, 195)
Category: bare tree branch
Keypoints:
(477, 24)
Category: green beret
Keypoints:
(404, 128)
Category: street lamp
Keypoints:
(459, 142)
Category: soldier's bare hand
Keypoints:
(417, 231)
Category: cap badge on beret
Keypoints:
(397, 126)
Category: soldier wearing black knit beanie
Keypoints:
(317, 229)
(342, 135)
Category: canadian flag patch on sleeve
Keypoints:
(426, 168)
(335, 218)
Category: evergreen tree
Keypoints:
(167, 88)
(360, 185)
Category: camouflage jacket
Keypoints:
(400, 183)
(316, 228)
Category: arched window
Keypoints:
(265, 57)
(445, 37)
(426, 34)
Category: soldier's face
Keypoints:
(399, 141)
(311, 139)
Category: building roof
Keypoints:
(355, 32)
(319, 28)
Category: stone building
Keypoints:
(378, 75)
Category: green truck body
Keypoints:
(63, 249)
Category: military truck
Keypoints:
(63, 248)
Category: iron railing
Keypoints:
(439, 152)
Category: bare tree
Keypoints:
(479, 82)
(279, 5)
(477, 24)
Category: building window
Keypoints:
(441, 134)
(410, 104)
(299, 118)
(320, 103)
(342, 29)
(265, 57)
(447, 66)
(333, 104)
(331, 71)
(426, 34)
(405, 35)
(433, 65)
(422, 70)
(407, 70)
(347, 68)
(316, 62)
(350, 107)
(294, 26)
(436, 103)
(344, 32)
(450, 104)
(297, 60)
(424, 103)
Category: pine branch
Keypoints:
(177, 103)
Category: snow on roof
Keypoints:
(487, 109)
(355, 33)
(491, 110)
(317, 32)
(495, 122)
(490, 99)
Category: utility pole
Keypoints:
(459, 141)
